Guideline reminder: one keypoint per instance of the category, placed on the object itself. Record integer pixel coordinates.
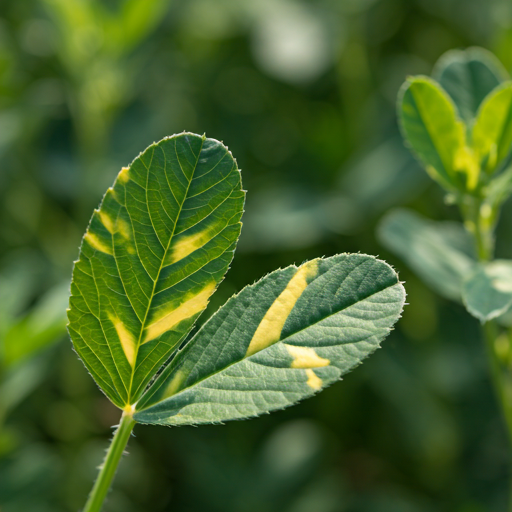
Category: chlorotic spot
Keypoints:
(305, 357)
(175, 383)
(187, 245)
(269, 330)
(126, 338)
(174, 315)
(123, 175)
(96, 243)
(106, 221)
(123, 229)
(314, 381)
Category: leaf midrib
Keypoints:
(150, 301)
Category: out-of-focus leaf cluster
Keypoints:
(460, 128)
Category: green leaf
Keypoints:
(468, 76)
(153, 253)
(441, 253)
(499, 189)
(44, 324)
(19, 380)
(492, 132)
(430, 125)
(278, 341)
(487, 291)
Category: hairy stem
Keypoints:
(109, 467)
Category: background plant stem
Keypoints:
(109, 467)
(500, 370)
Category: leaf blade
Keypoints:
(430, 124)
(468, 76)
(441, 253)
(487, 291)
(492, 131)
(154, 252)
(280, 340)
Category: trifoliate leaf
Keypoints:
(278, 341)
(468, 76)
(487, 291)
(153, 253)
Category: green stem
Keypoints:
(481, 229)
(109, 467)
(500, 374)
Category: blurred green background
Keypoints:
(303, 93)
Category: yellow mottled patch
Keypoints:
(314, 381)
(123, 229)
(106, 221)
(112, 192)
(269, 330)
(305, 357)
(189, 244)
(175, 383)
(175, 315)
(97, 244)
(126, 338)
(123, 175)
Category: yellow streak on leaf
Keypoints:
(123, 176)
(97, 244)
(123, 229)
(269, 330)
(175, 315)
(175, 383)
(314, 381)
(305, 357)
(189, 244)
(126, 338)
(106, 221)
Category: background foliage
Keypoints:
(304, 95)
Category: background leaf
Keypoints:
(468, 76)
(487, 291)
(278, 341)
(153, 254)
(441, 253)
(499, 189)
(430, 125)
(41, 326)
(492, 132)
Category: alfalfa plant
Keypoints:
(153, 254)
(459, 125)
